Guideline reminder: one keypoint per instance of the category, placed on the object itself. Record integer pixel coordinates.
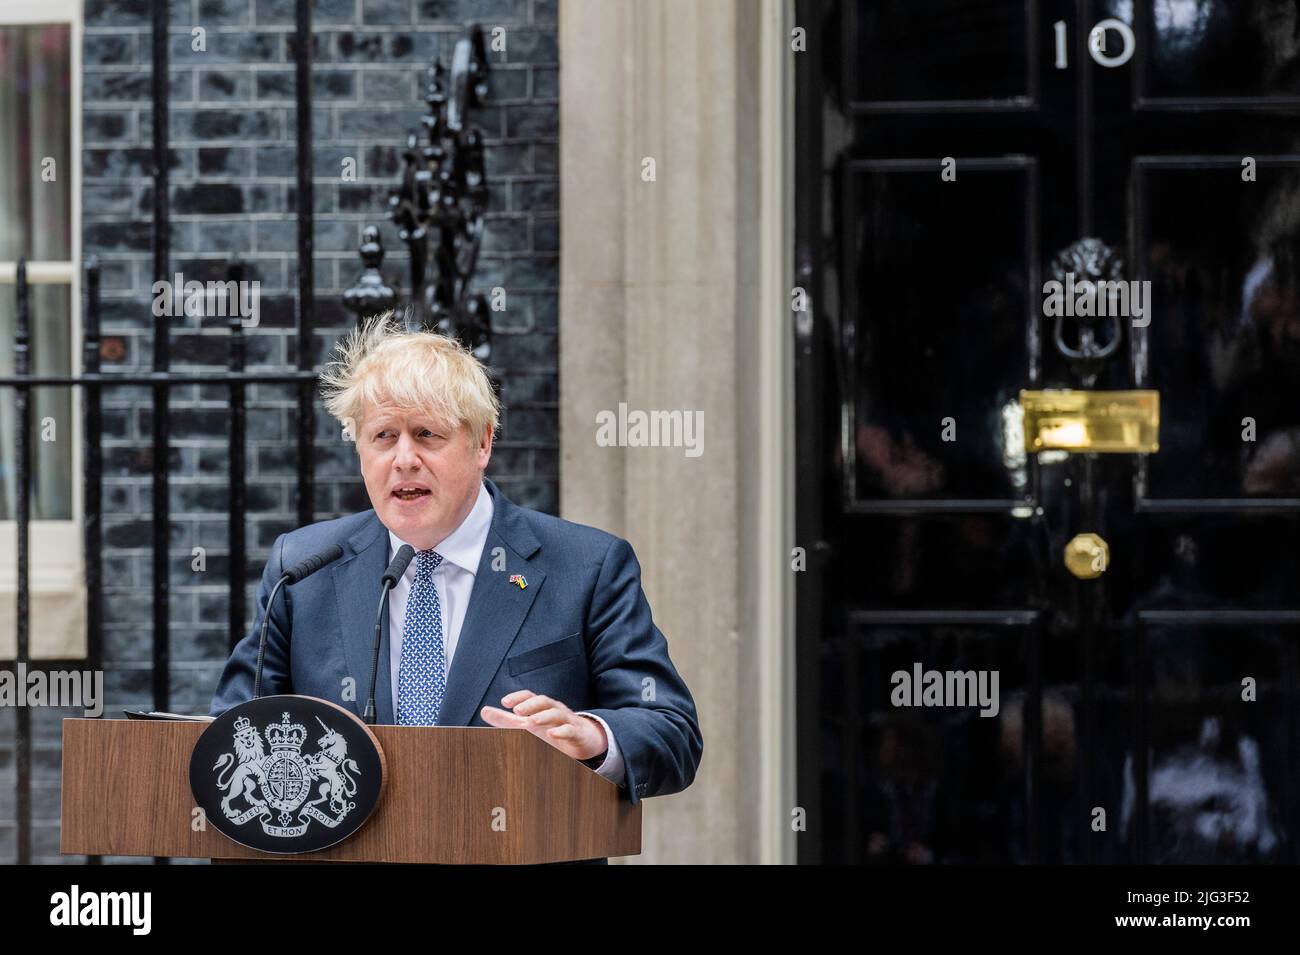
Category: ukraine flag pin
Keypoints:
(519, 579)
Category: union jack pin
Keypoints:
(519, 579)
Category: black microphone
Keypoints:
(300, 570)
(392, 575)
(305, 568)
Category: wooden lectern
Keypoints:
(126, 791)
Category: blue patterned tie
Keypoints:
(422, 672)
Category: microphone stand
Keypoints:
(387, 586)
(300, 571)
(395, 570)
(261, 646)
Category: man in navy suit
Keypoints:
(506, 617)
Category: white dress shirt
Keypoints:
(453, 579)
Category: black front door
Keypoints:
(952, 158)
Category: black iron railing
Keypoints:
(161, 380)
(438, 209)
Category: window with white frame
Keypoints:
(40, 153)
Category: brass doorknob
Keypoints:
(1087, 556)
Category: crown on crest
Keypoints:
(246, 731)
(286, 735)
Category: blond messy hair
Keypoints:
(382, 362)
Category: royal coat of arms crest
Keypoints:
(285, 789)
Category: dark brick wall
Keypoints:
(233, 191)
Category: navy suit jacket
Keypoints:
(580, 632)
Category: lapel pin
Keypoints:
(519, 579)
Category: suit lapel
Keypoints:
(356, 591)
(496, 611)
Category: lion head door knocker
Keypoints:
(1085, 272)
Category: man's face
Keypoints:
(422, 474)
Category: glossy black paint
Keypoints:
(1123, 694)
